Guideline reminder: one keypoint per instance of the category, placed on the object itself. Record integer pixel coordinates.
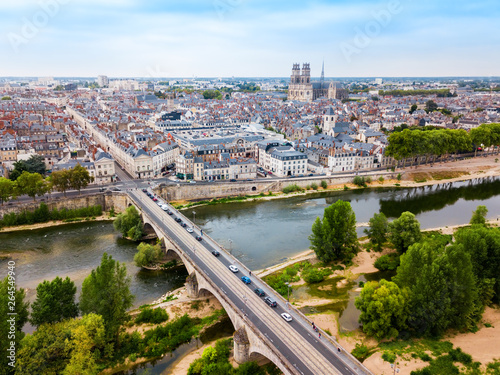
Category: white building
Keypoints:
(103, 81)
(104, 168)
(285, 161)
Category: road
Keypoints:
(295, 340)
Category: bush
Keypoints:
(359, 181)
(381, 179)
(313, 276)
(388, 262)
(314, 186)
(346, 187)
(399, 177)
(389, 357)
(292, 188)
(154, 316)
(361, 352)
(324, 184)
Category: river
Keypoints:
(263, 233)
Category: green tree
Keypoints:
(6, 98)
(383, 309)
(404, 232)
(80, 177)
(479, 216)
(334, 237)
(31, 184)
(483, 246)
(212, 94)
(441, 287)
(377, 231)
(67, 347)
(127, 221)
(324, 184)
(61, 180)
(106, 292)
(413, 108)
(55, 301)
(147, 254)
(36, 164)
(430, 106)
(11, 301)
(7, 189)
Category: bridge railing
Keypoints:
(223, 296)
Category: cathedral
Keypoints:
(302, 89)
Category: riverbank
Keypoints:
(54, 223)
(416, 176)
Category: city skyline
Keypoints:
(242, 38)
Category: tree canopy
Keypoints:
(404, 231)
(106, 292)
(147, 254)
(35, 164)
(377, 230)
(55, 301)
(334, 237)
(479, 216)
(31, 184)
(383, 309)
(7, 189)
(129, 223)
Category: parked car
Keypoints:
(246, 280)
(270, 302)
(215, 253)
(287, 317)
(260, 292)
(232, 180)
(192, 182)
(310, 174)
(233, 268)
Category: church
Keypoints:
(302, 89)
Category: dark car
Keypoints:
(178, 219)
(232, 180)
(183, 224)
(169, 212)
(145, 190)
(216, 253)
(310, 175)
(270, 302)
(199, 238)
(260, 292)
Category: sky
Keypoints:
(249, 38)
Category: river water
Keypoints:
(261, 233)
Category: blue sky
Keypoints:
(224, 38)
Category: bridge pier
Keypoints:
(241, 346)
(192, 286)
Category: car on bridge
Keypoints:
(246, 280)
(189, 229)
(170, 212)
(145, 190)
(178, 219)
(270, 302)
(199, 238)
(183, 224)
(164, 207)
(260, 292)
(215, 253)
(233, 268)
(287, 317)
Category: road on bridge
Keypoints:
(295, 340)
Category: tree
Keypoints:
(55, 301)
(36, 164)
(430, 106)
(106, 292)
(404, 232)
(479, 216)
(31, 184)
(212, 94)
(61, 180)
(6, 98)
(441, 287)
(147, 254)
(413, 108)
(377, 231)
(383, 309)
(483, 246)
(127, 221)
(7, 189)
(67, 347)
(80, 177)
(11, 327)
(334, 237)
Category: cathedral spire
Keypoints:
(322, 79)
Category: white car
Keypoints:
(189, 229)
(233, 268)
(164, 207)
(192, 182)
(287, 317)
